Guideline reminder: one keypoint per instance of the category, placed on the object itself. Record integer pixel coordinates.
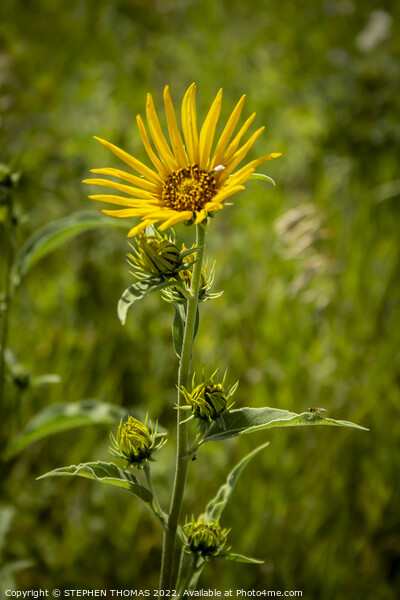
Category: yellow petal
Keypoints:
(124, 213)
(226, 192)
(127, 189)
(139, 228)
(140, 181)
(146, 143)
(157, 136)
(189, 124)
(227, 133)
(173, 130)
(230, 151)
(200, 216)
(131, 161)
(120, 200)
(208, 130)
(179, 218)
(240, 154)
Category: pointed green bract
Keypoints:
(64, 416)
(111, 474)
(216, 506)
(248, 420)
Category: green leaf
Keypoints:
(7, 513)
(64, 416)
(178, 327)
(137, 291)
(111, 474)
(215, 507)
(263, 177)
(248, 420)
(239, 558)
(51, 236)
(7, 582)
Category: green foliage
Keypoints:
(315, 320)
(216, 506)
(62, 417)
(110, 474)
(53, 235)
(250, 420)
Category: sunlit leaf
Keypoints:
(248, 420)
(137, 291)
(64, 416)
(111, 474)
(217, 504)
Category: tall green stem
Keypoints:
(182, 428)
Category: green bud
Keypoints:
(205, 539)
(135, 442)
(209, 400)
(155, 256)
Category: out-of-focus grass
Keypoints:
(307, 318)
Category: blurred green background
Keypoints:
(309, 269)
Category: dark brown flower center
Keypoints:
(189, 189)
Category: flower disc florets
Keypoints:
(205, 539)
(192, 175)
(135, 442)
(155, 256)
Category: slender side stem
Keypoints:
(149, 480)
(182, 428)
(188, 577)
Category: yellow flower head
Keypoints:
(188, 180)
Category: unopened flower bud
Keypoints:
(209, 400)
(155, 256)
(205, 539)
(135, 442)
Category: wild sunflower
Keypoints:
(189, 180)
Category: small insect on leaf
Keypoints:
(314, 409)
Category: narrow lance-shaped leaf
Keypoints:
(178, 327)
(53, 235)
(248, 420)
(216, 506)
(64, 416)
(239, 558)
(112, 475)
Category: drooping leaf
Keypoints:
(64, 416)
(178, 327)
(242, 421)
(137, 291)
(239, 558)
(215, 507)
(111, 474)
(53, 235)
